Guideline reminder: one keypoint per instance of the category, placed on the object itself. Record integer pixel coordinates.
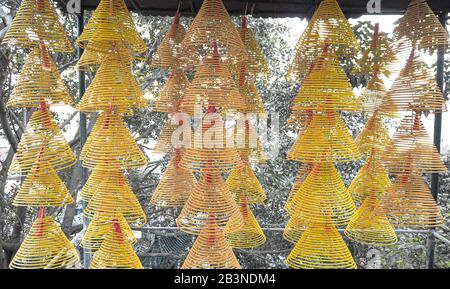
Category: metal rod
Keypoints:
(441, 238)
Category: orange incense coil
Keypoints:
(116, 252)
(111, 141)
(302, 173)
(212, 24)
(251, 97)
(294, 229)
(374, 135)
(210, 195)
(175, 186)
(42, 187)
(44, 140)
(166, 56)
(91, 58)
(45, 247)
(298, 120)
(37, 22)
(412, 144)
(326, 88)
(111, 22)
(322, 196)
(39, 81)
(321, 247)
(370, 226)
(244, 182)
(325, 139)
(211, 250)
(170, 95)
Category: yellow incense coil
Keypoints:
(166, 56)
(111, 22)
(374, 135)
(321, 247)
(111, 141)
(170, 95)
(370, 226)
(412, 144)
(212, 24)
(299, 120)
(244, 182)
(45, 247)
(322, 197)
(210, 195)
(373, 96)
(248, 142)
(115, 252)
(91, 58)
(302, 173)
(42, 138)
(113, 86)
(410, 204)
(99, 228)
(175, 186)
(211, 250)
(36, 21)
(326, 88)
(325, 139)
(294, 229)
(167, 141)
(42, 187)
(251, 97)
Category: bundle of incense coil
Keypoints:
(110, 140)
(321, 247)
(45, 247)
(211, 250)
(294, 229)
(91, 59)
(322, 197)
(412, 144)
(302, 173)
(35, 22)
(325, 139)
(166, 56)
(210, 196)
(39, 81)
(115, 252)
(211, 24)
(244, 182)
(172, 92)
(42, 138)
(374, 135)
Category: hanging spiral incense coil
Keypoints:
(212, 24)
(115, 252)
(210, 195)
(370, 226)
(45, 247)
(248, 142)
(113, 86)
(244, 182)
(166, 56)
(170, 95)
(374, 135)
(298, 120)
(39, 81)
(321, 247)
(251, 97)
(322, 197)
(211, 250)
(110, 22)
(373, 96)
(294, 229)
(302, 173)
(36, 21)
(91, 58)
(412, 144)
(42, 188)
(110, 140)
(326, 88)
(42, 138)
(325, 139)
(168, 141)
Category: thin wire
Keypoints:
(179, 6)
(246, 6)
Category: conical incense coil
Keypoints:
(45, 247)
(210, 195)
(410, 204)
(373, 96)
(36, 21)
(370, 226)
(212, 24)
(302, 173)
(248, 142)
(211, 250)
(115, 252)
(110, 22)
(110, 140)
(113, 86)
(250, 235)
(39, 81)
(42, 187)
(175, 186)
(412, 144)
(166, 56)
(326, 88)
(172, 92)
(99, 228)
(374, 135)
(294, 229)
(91, 58)
(299, 120)
(251, 97)
(167, 141)
(322, 197)
(42, 138)
(325, 139)
(244, 182)
(321, 247)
